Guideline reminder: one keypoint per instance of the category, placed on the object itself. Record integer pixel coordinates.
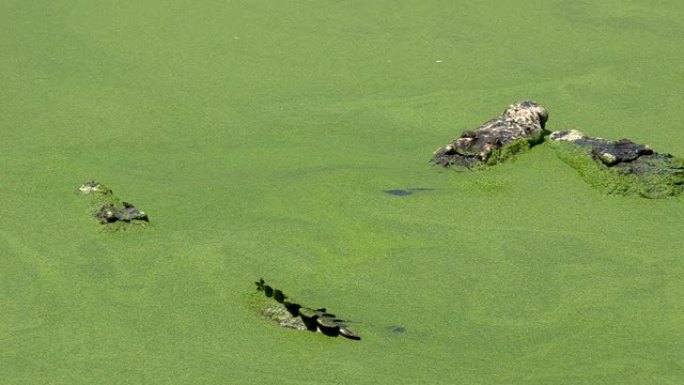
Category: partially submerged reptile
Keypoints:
(109, 213)
(519, 127)
(288, 313)
(620, 166)
(108, 209)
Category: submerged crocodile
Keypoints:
(109, 213)
(109, 210)
(519, 127)
(288, 313)
(620, 166)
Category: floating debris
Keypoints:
(288, 313)
(520, 127)
(620, 167)
(109, 210)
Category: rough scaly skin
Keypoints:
(519, 127)
(620, 167)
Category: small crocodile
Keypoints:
(108, 209)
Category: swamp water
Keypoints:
(262, 139)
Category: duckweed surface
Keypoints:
(260, 135)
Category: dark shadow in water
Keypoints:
(407, 192)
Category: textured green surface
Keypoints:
(259, 136)
(660, 178)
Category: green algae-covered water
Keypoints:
(260, 137)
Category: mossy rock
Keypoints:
(620, 167)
